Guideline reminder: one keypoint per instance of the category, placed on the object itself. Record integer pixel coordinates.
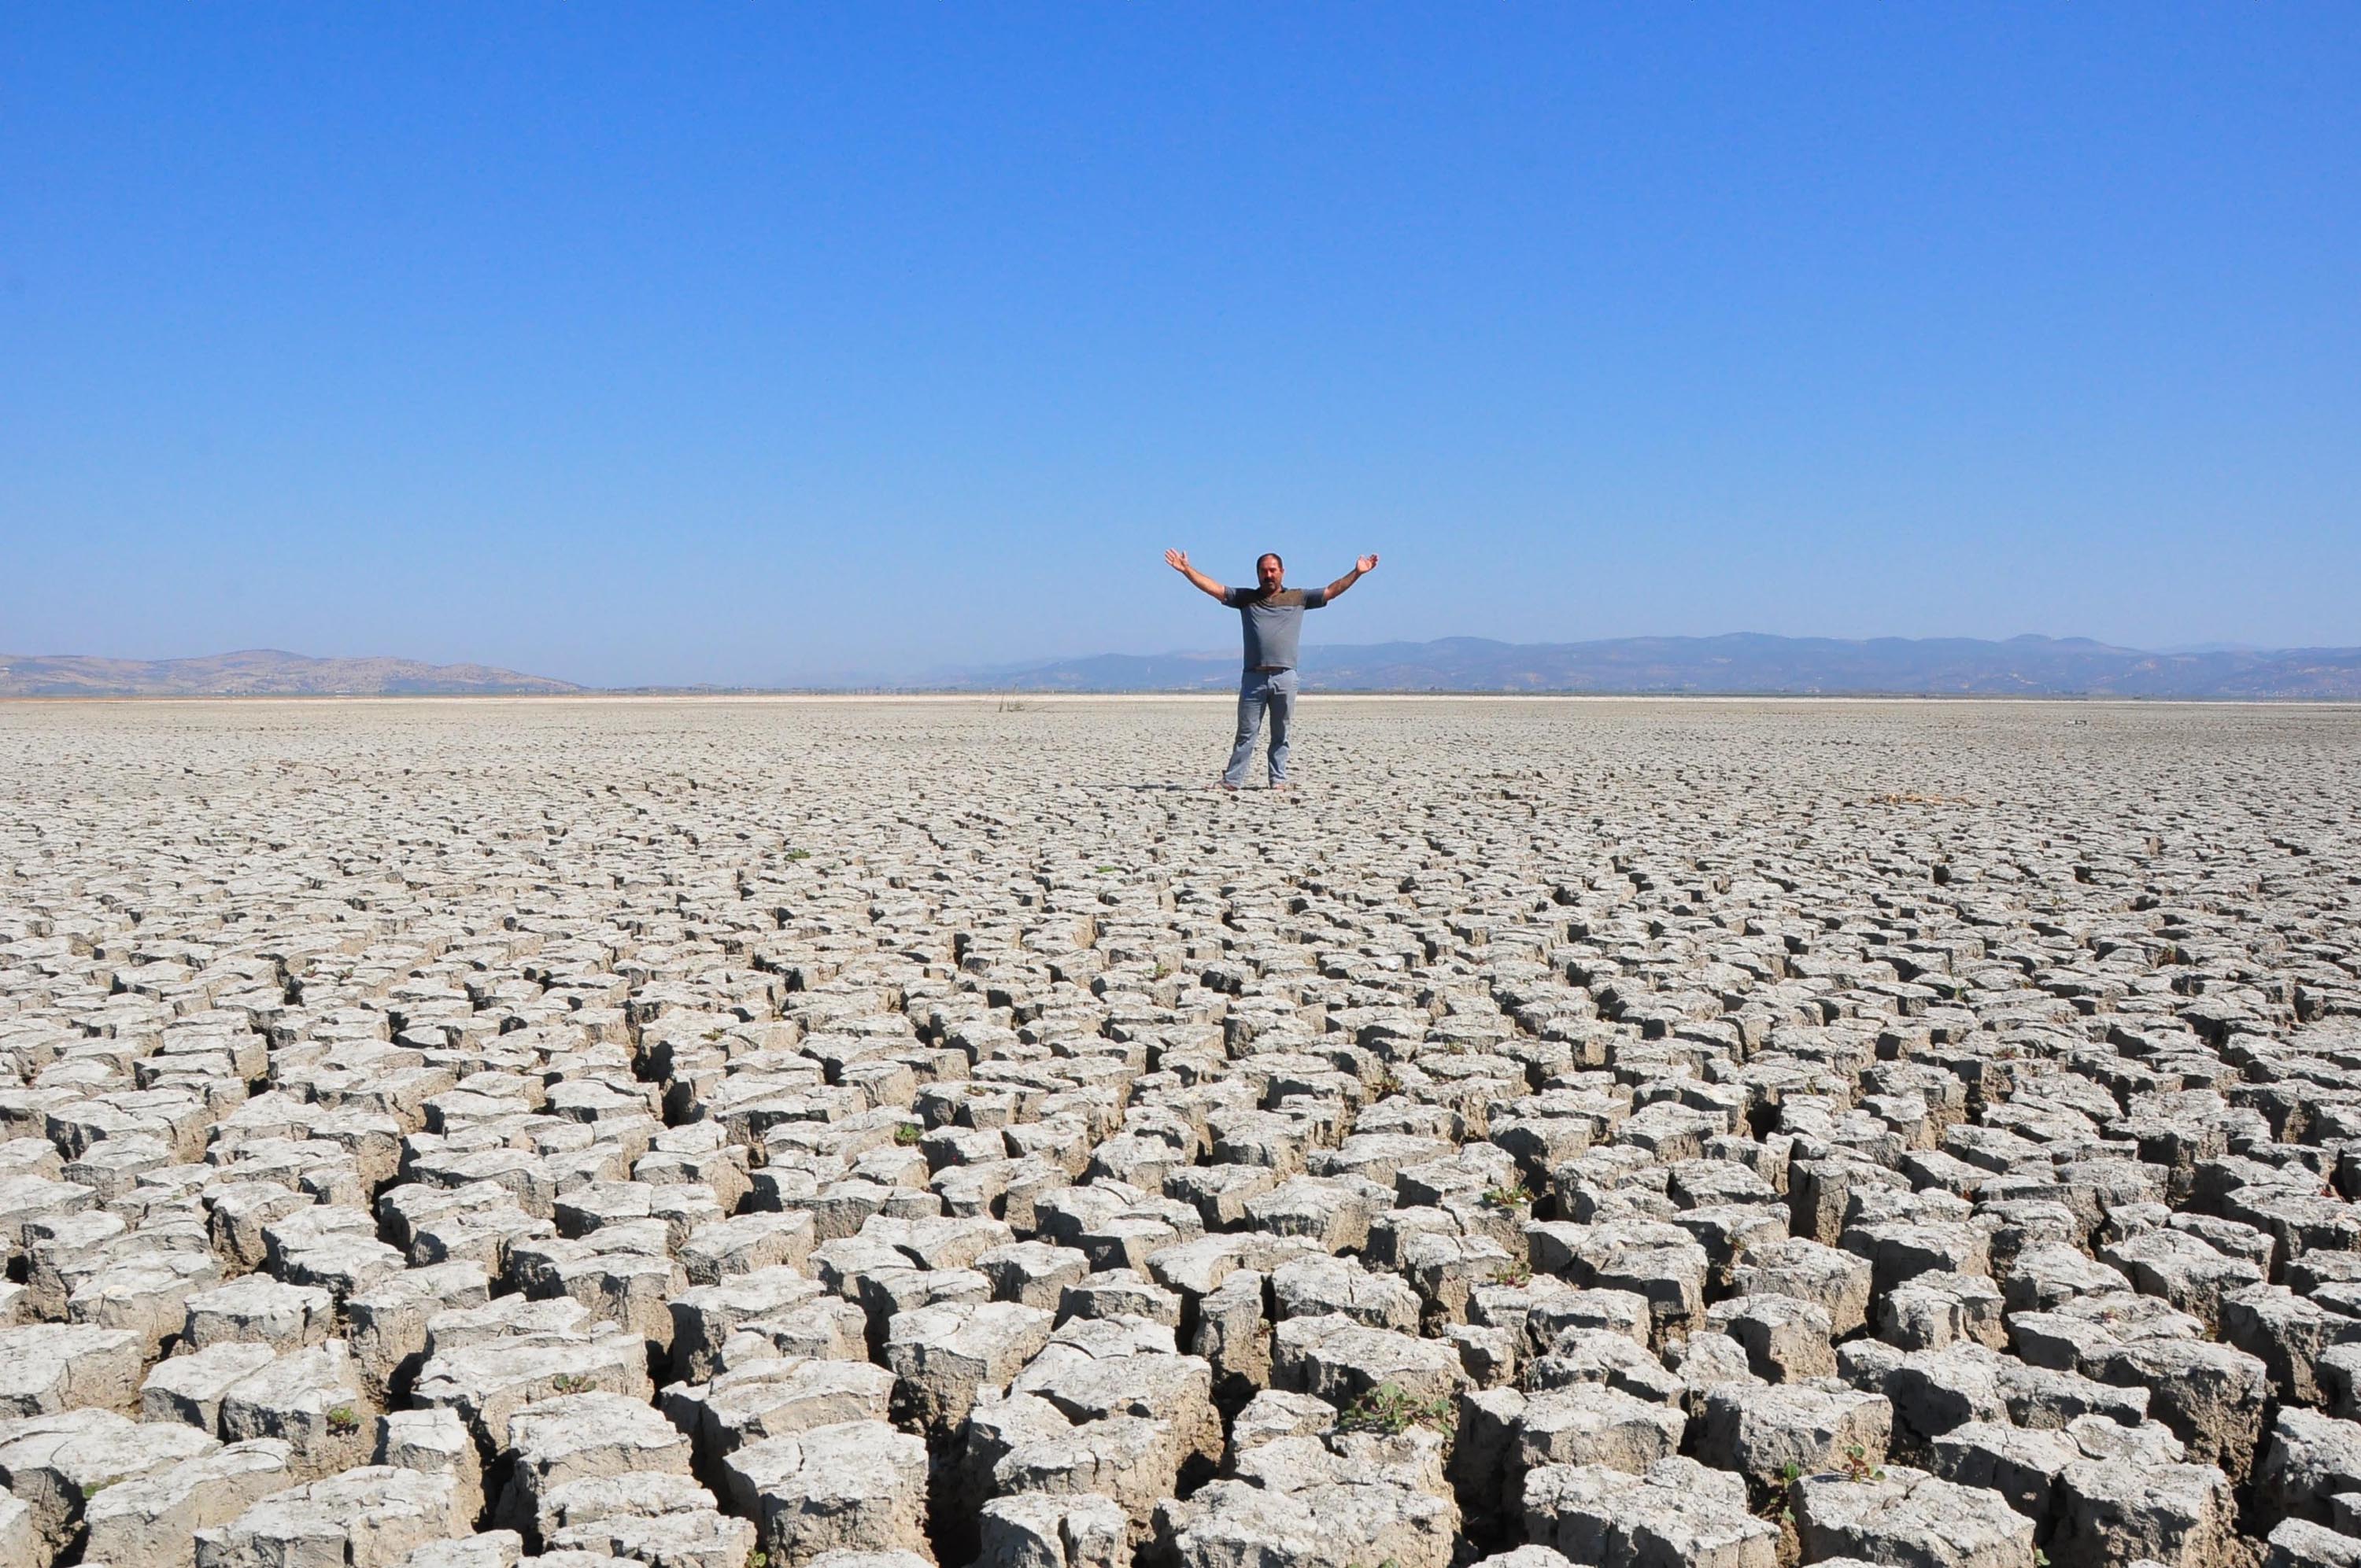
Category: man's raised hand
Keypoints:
(1179, 561)
(1360, 568)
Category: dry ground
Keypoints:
(1651, 1132)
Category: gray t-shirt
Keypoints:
(1274, 622)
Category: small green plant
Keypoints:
(799, 854)
(1391, 1409)
(92, 1488)
(571, 1383)
(907, 1133)
(1781, 1505)
(1514, 1196)
(1163, 970)
(1519, 1272)
(758, 1558)
(343, 1421)
(1108, 871)
(1858, 1467)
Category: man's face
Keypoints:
(1269, 571)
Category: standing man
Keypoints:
(1273, 614)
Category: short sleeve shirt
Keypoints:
(1274, 622)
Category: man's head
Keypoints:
(1268, 570)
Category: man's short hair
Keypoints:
(1269, 555)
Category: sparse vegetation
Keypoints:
(1514, 1196)
(908, 1134)
(1858, 1467)
(572, 1383)
(798, 854)
(1391, 1410)
(1780, 1504)
(343, 1421)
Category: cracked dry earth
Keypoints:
(454, 1134)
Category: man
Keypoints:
(1273, 616)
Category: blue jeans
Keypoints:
(1258, 690)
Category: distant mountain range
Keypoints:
(1741, 663)
(259, 672)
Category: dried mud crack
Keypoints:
(705, 1133)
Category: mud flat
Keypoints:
(455, 1133)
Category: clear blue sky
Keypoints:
(673, 343)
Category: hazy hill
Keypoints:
(1738, 662)
(260, 671)
(1742, 663)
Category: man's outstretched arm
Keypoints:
(1361, 568)
(1179, 561)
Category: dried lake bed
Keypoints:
(866, 1133)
